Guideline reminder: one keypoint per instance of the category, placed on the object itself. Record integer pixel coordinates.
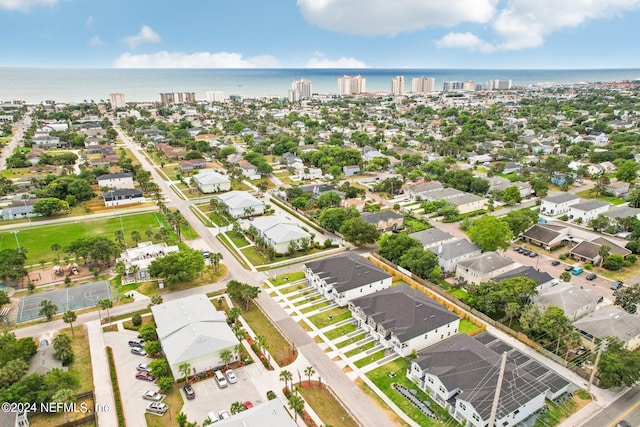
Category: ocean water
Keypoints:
(34, 85)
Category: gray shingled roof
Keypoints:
(431, 236)
(541, 233)
(374, 218)
(347, 271)
(525, 271)
(405, 311)
(589, 205)
(114, 176)
(610, 321)
(455, 249)
(560, 198)
(487, 262)
(621, 212)
(566, 296)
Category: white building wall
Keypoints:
(587, 216)
(549, 208)
(123, 202)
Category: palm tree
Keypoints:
(286, 376)
(106, 304)
(135, 236)
(119, 235)
(56, 247)
(185, 369)
(237, 407)
(133, 270)
(309, 371)
(262, 343)
(47, 309)
(296, 404)
(234, 313)
(215, 258)
(603, 253)
(238, 350)
(69, 317)
(149, 234)
(226, 355)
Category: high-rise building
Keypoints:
(397, 85)
(499, 84)
(469, 85)
(300, 89)
(423, 85)
(351, 85)
(452, 85)
(177, 97)
(214, 96)
(167, 98)
(117, 100)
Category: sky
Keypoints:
(472, 34)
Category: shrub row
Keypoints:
(116, 388)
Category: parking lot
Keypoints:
(209, 397)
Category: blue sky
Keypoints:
(489, 34)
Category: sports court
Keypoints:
(66, 299)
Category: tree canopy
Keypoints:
(178, 267)
(493, 297)
(490, 233)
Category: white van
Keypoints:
(222, 381)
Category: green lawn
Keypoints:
(413, 225)
(293, 288)
(306, 300)
(458, 293)
(351, 340)
(468, 327)
(556, 413)
(278, 346)
(254, 257)
(337, 314)
(38, 240)
(218, 219)
(285, 278)
(374, 357)
(360, 349)
(327, 407)
(340, 331)
(588, 194)
(237, 240)
(315, 307)
(380, 377)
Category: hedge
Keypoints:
(116, 388)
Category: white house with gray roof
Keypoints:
(610, 321)
(210, 181)
(191, 331)
(404, 319)
(116, 180)
(241, 203)
(558, 204)
(278, 231)
(587, 210)
(432, 237)
(451, 253)
(573, 300)
(484, 267)
(468, 202)
(344, 277)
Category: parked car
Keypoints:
(231, 376)
(591, 276)
(248, 404)
(145, 376)
(138, 342)
(224, 415)
(139, 351)
(555, 262)
(157, 408)
(220, 378)
(616, 285)
(576, 270)
(188, 391)
(623, 423)
(525, 252)
(143, 367)
(568, 268)
(533, 254)
(153, 395)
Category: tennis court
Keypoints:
(66, 299)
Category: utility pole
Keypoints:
(496, 397)
(603, 346)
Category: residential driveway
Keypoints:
(210, 397)
(131, 389)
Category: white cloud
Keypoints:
(194, 60)
(95, 41)
(146, 35)
(320, 61)
(25, 5)
(377, 17)
(525, 24)
(88, 22)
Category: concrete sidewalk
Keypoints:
(104, 400)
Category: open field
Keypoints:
(325, 405)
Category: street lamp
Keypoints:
(15, 233)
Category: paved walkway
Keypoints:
(100, 366)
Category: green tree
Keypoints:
(148, 332)
(55, 248)
(185, 370)
(226, 356)
(520, 220)
(419, 261)
(359, 232)
(12, 372)
(159, 368)
(262, 343)
(165, 383)
(49, 206)
(106, 304)
(603, 252)
(136, 319)
(181, 419)
(490, 233)
(308, 372)
(492, 297)
(333, 218)
(628, 297)
(296, 404)
(599, 223)
(215, 258)
(135, 236)
(286, 377)
(393, 246)
(613, 262)
(233, 314)
(152, 348)
(511, 196)
(47, 309)
(4, 298)
(540, 186)
(328, 199)
(178, 267)
(237, 407)
(565, 276)
(242, 292)
(69, 317)
(12, 263)
(618, 365)
(627, 171)
(511, 310)
(62, 348)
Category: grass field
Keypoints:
(468, 327)
(285, 278)
(360, 349)
(278, 346)
(315, 307)
(330, 317)
(351, 340)
(380, 377)
(326, 406)
(38, 240)
(588, 194)
(237, 240)
(340, 331)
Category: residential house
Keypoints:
(610, 321)
(210, 181)
(171, 153)
(618, 189)
(461, 374)
(479, 158)
(542, 278)
(241, 204)
(384, 221)
(432, 237)
(468, 203)
(498, 183)
(271, 413)
(116, 180)
(248, 170)
(484, 267)
(344, 277)
(123, 196)
(351, 170)
(575, 301)
(589, 251)
(279, 232)
(33, 156)
(358, 204)
(404, 319)
(191, 331)
(512, 167)
(451, 253)
(616, 213)
(608, 167)
(587, 210)
(191, 165)
(137, 260)
(558, 204)
(317, 190)
(419, 190)
(18, 212)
